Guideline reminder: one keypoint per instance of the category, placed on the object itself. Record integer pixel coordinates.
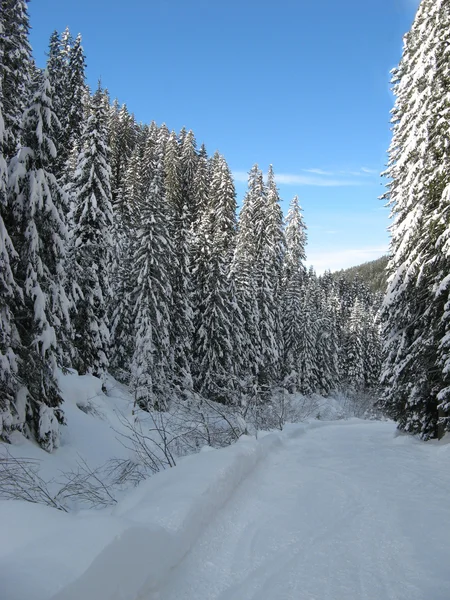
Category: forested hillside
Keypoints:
(373, 274)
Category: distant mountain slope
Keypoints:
(372, 273)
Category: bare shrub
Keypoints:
(20, 480)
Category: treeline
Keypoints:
(121, 251)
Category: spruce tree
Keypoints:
(294, 274)
(243, 274)
(9, 294)
(40, 239)
(126, 223)
(216, 346)
(16, 71)
(122, 140)
(182, 315)
(189, 161)
(74, 99)
(90, 248)
(354, 351)
(307, 343)
(151, 368)
(415, 314)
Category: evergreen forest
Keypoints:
(123, 250)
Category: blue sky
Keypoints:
(300, 84)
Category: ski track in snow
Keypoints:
(345, 512)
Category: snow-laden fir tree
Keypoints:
(123, 136)
(415, 313)
(217, 339)
(243, 274)
(181, 332)
(75, 95)
(90, 244)
(126, 222)
(15, 71)
(294, 274)
(40, 238)
(188, 165)
(151, 368)
(354, 351)
(10, 294)
(325, 310)
(66, 69)
(307, 346)
(266, 253)
(57, 74)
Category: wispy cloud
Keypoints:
(308, 180)
(319, 172)
(361, 172)
(370, 171)
(320, 177)
(342, 259)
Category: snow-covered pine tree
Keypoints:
(270, 247)
(372, 357)
(66, 66)
(40, 239)
(57, 74)
(244, 276)
(327, 348)
(201, 185)
(189, 160)
(10, 294)
(123, 136)
(74, 97)
(354, 351)
(216, 347)
(126, 222)
(151, 368)
(90, 244)
(294, 274)
(307, 355)
(414, 314)
(181, 332)
(437, 186)
(15, 72)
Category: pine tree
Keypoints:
(90, 249)
(9, 294)
(40, 238)
(151, 376)
(57, 74)
(244, 276)
(74, 97)
(126, 222)
(354, 353)
(122, 140)
(269, 246)
(294, 274)
(182, 314)
(215, 349)
(414, 313)
(189, 161)
(307, 343)
(16, 71)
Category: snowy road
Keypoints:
(345, 512)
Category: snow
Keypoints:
(323, 510)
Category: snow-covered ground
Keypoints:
(343, 510)
(347, 511)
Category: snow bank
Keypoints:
(127, 551)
